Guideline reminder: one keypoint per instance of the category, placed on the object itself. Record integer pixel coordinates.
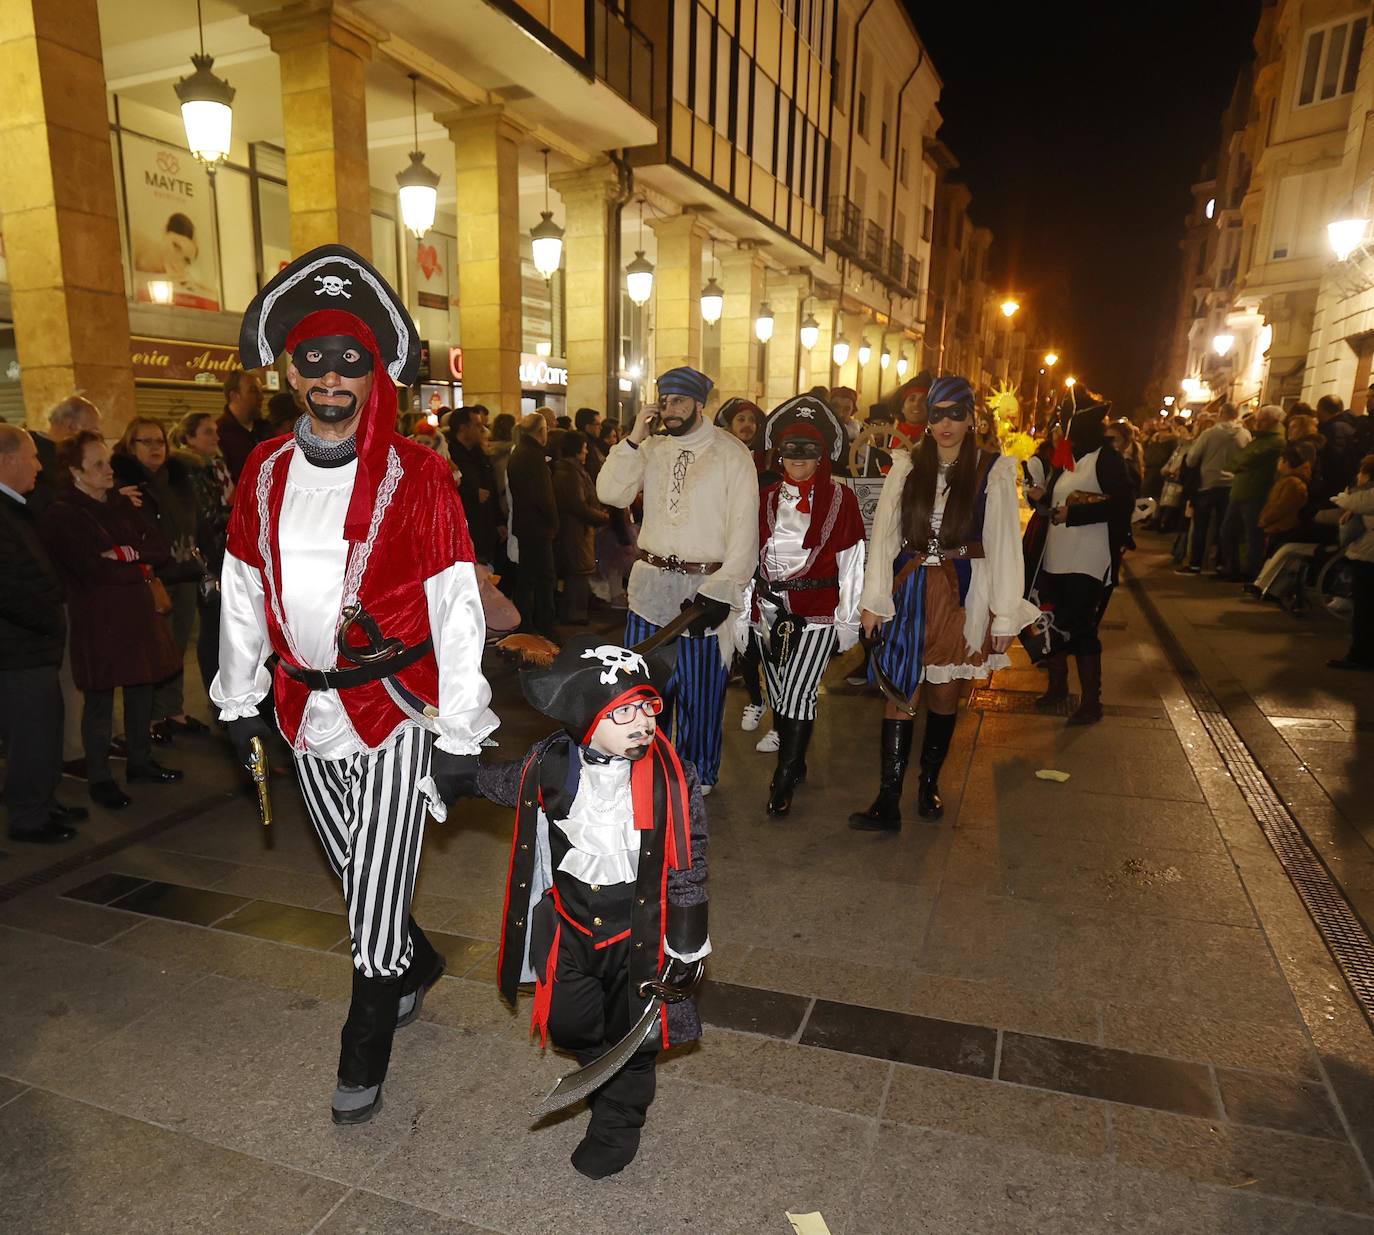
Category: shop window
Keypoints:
(274, 229)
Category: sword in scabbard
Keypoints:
(257, 769)
(887, 685)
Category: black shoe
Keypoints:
(119, 748)
(1187, 570)
(59, 813)
(50, 833)
(161, 732)
(190, 725)
(885, 814)
(409, 1015)
(1344, 662)
(75, 768)
(106, 793)
(154, 773)
(596, 1160)
(793, 738)
(350, 1114)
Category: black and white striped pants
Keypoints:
(792, 689)
(370, 817)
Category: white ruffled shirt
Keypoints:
(701, 504)
(600, 826)
(1082, 550)
(314, 556)
(997, 583)
(785, 555)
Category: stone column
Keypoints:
(322, 58)
(486, 146)
(677, 292)
(591, 295)
(58, 201)
(784, 349)
(741, 275)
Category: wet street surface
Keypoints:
(1096, 1004)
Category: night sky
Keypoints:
(1079, 128)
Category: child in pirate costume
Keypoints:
(349, 558)
(1089, 500)
(805, 603)
(607, 881)
(945, 582)
(698, 542)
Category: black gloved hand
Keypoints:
(716, 613)
(243, 731)
(455, 776)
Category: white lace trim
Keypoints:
(937, 674)
(358, 558)
(269, 575)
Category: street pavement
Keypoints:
(1086, 1006)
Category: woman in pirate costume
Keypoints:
(944, 580)
(607, 882)
(805, 603)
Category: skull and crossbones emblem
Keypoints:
(333, 285)
(616, 660)
(805, 413)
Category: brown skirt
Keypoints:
(944, 642)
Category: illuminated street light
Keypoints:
(763, 324)
(810, 332)
(1051, 359)
(546, 237)
(840, 351)
(1223, 343)
(417, 186)
(1346, 233)
(902, 364)
(205, 107)
(865, 350)
(639, 278)
(712, 301)
(884, 359)
(1168, 400)
(1070, 382)
(1010, 307)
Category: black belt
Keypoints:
(344, 679)
(796, 585)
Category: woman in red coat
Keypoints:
(107, 552)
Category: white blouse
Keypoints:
(997, 579)
(1084, 550)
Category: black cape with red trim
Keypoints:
(670, 903)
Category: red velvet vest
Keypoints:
(836, 525)
(417, 531)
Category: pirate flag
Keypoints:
(332, 312)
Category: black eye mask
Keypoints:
(335, 353)
(936, 412)
(799, 448)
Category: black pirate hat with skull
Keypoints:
(331, 278)
(805, 418)
(590, 677)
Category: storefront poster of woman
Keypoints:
(171, 226)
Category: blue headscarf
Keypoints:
(954, 390)
(685, 381)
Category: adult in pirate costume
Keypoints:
(607, 881)
(944, 581)
(1089, 500)
(349, 558)
(698, 542)
(805, 604)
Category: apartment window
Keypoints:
(863, 114)
(882, 142)
(860, 188)
(901, 166)
(1331, 61)
(841, 71)
(926, 219)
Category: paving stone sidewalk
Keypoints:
(1079, 1007)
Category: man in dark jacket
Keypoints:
(588, 423)
(1253, 478)
(477, 486)
(533, 524)
(33, 634)
(241, 427)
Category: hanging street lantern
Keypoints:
(865, 350)
(639, 278)
(902, 363)
(546, 237)
(712, 302)
(884, 359)
(763, 323)
(810, 332)
(418, 186)
(840, 350)
(206, 109)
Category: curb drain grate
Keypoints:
(36, 879)
(1342, 930)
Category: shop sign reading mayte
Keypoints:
(177, 362)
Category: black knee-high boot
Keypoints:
(1058, 689)
(365, 1047)
(934, 748)
(885, 814)
(793, 738)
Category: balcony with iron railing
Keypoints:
(874, 252)
(623, 56)
(896, 264)
(843, 226)
(913, 275)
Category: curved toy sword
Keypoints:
(887, 685)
